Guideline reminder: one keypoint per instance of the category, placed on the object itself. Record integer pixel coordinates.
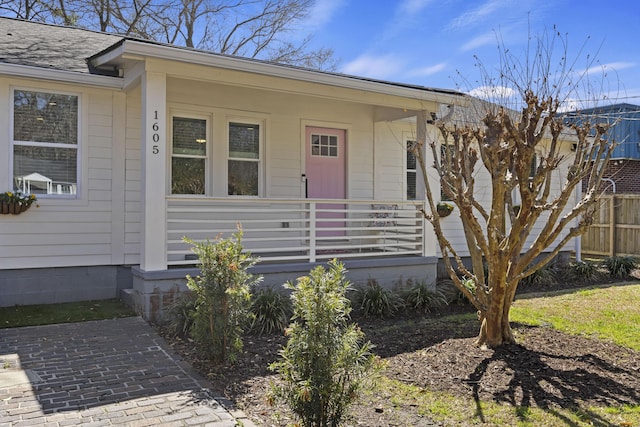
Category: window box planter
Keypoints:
(15, 203)
(13, 208)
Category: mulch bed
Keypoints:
(547, 369)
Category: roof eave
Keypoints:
(129, 48)
(27, 71)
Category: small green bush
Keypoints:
(326, 363)
(375, 300)
(451, 293)
(542, 276)
(584, 270)
(271, 311)
(422, 297)
(181, 314)
(222, 293)
(620, 266)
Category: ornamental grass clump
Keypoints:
(222, 294)
(326, 362)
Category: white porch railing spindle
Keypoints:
(312, 231)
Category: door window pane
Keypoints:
(324, 145)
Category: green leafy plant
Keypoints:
(222, 293)
(326, 363)
(271, 311)
(15, 203)
(584, 270)
(422, 297)
(181, 314)
(542, 276)
(18, 197)
(620, 266)
(444, 209)
(375, 300)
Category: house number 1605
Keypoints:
(155, 136)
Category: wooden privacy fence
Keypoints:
(616, 227)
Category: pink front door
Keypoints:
(325, 171)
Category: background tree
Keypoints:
(521, 139)
(260, 29)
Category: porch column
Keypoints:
(429, 236)
(153, 250)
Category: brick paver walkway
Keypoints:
(100, 373)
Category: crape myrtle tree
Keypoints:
(523, 141)
(260, 29)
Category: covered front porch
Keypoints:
(382, 240)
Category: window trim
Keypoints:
(208, 177)
(261, 122)
(81, 162)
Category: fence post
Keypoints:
(612, 225)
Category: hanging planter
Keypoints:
(15, 203)
(444, 209)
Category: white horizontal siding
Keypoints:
(67, 232)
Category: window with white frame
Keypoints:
(45, 142)
(244, 169)
(411, 171)
(188, 155)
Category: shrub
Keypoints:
(325, 363)
(584, 270)
(377, 301)
(542, 276)
(181, 314)
(451, 293)
(222, 293)
(271, 311)
(620, 266)
(421, 297)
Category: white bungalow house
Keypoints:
(140, 144)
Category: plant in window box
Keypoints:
(16, 203)
(444, 209)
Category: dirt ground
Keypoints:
(547, 369)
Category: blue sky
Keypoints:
(433, 42)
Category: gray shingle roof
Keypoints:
(50, 46)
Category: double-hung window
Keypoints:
(45, 143)
(243, 177)
(189, 155)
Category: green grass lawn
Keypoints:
(45, 314)
(608, 313)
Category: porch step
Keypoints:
(128, 297)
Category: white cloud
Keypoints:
(492, 92)
(322, 13)
(412, 6)
(474, 16)
(427, 71)
(481, 40)
(380, 67)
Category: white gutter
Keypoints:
(74, 77)
(142, 49)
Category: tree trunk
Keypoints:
(494, 327)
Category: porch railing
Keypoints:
(289, 230)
